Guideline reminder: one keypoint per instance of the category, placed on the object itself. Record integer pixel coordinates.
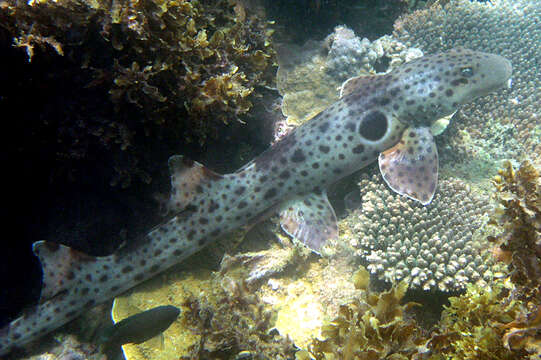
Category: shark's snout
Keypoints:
(497, 71)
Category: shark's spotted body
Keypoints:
(386, 116)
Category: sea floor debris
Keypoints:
(223, 313)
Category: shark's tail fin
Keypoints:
(73, 280)
(61, 267)
(69, 276)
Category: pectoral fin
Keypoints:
(309, 219)
(411, 167)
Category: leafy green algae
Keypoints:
(518, 216)
(374, 327)
(470, 327)
(173, 70)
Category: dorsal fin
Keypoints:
(357, 82)
(61, 265)
(187, 180)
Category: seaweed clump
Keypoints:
(519, 245)
(233, 324)
(374, 327)
(134, 72)
(519, 215)
(472, 326)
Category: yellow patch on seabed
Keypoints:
(301, 314)
(301, 303)
(170, 289)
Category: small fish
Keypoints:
(140, 327)
(383, 117)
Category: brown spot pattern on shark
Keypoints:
(371, 117)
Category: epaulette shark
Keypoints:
(385, 117)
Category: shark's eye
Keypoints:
(466, 71)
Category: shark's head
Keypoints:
(434, 86)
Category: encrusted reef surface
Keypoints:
(500, 126)
(309, 78)
(373, 326)
(223, 317)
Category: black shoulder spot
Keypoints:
(373, 125)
